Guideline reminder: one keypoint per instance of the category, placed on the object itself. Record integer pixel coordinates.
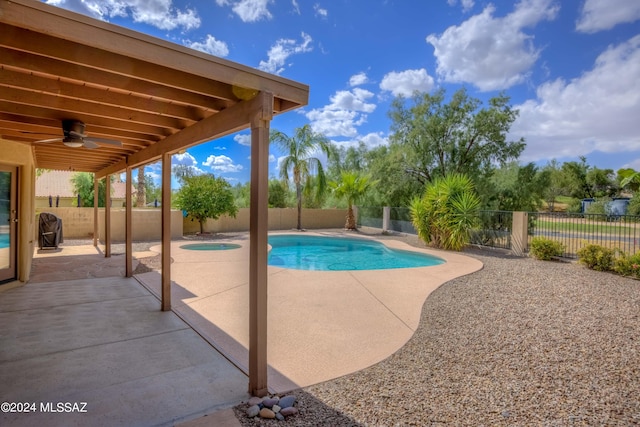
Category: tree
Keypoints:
(352, 186)
(181, 172)
(205, 196)
(152, 191)
(555, 183)
(440, 139)
(300, 166)
(628, 179)
(447, 212)
(83, 186)
(141, 193)
(277, 194)
(518, 188)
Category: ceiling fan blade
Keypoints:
(90, 144)
(46, 141)
(104, 141)
(75, 134)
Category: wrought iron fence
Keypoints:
(574, 231)
(494, 229)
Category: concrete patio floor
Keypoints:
(103, 341)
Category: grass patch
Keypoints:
(585, 227)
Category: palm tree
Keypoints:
(353, 187)
(299, 163)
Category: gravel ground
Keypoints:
(522, 342)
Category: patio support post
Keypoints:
(107, 217)
(258, 230)
(96, 181)
(166, 231)
(128, 227)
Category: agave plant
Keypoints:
(447, 212)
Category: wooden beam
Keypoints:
(107, 217)
(128, 227)
(105, 96)
(258, 234)
(96, 186)
(223, 123)
(78, 74)
(80, 107)
(76, 28)
(166, 232)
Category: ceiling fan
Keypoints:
(75, 137)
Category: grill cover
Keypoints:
(50, 231)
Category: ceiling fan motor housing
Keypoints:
(73, 130)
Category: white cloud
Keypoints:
(406, 82)
(243, 139)
(491, 53)
(598, 15)
(158, 13)
(320, 11)
(466, 4)
(248, 10)
(210, 46)
(370, 140)
(597, 111)
(222, 164)
(296, 7)
(348, 109)
(272, 158)
(282, 50)
(184, 159)
(358, 79)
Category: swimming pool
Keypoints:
(4, 241)
(341, 253)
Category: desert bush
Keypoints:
(627, 265)
(545, 249)
(596, 257)
(447, 212)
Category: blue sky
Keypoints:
(572, 68)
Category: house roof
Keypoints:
(154, 96)
(58, 183)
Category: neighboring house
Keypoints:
(55, 189)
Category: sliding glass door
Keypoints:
(8, 222)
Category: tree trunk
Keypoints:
(299, 196)
(201, 226)
(351, 220)
(141, 199)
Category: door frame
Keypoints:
(9, 274)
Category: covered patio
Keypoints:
(157, 99)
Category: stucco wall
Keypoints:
(21, 156)
(77, 223)
(147, 224)
(279, 219)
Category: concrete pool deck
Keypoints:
(322, 324)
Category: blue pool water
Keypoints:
(337, 253)
(4, 241)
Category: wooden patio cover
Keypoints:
(158, 98)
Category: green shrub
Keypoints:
(599, 207)
(627, 265)
(447, 212)
(545, 249)
(596, 257)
